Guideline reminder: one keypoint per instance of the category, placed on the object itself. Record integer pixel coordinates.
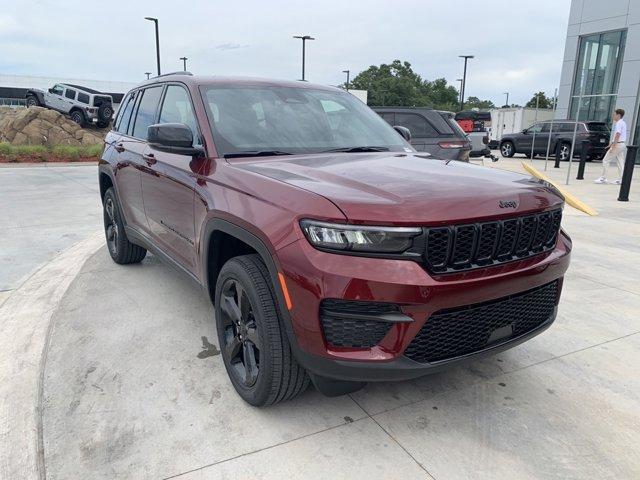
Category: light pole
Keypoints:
(459, 95)
(347, 72)
(184, 63)
(148, 74)
(304, 38)
(155, 21)
(464, 79)
(507, 102)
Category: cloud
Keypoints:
(231, 46)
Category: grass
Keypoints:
(41, 153)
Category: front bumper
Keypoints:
(312, 276)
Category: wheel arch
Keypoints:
(39, 96)
(216, 232)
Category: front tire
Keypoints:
(32, 101)
(507, 149)
(122, 251)
(255, 348)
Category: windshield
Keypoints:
(293, 120)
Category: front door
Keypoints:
(168, 184)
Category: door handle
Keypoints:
(150, 158)
(119, 147)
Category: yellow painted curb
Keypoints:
(569, 198)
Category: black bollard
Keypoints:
(627, 173)
(558, 147)
(583, 159)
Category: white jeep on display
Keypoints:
(83, 105)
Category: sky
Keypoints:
(518, 45)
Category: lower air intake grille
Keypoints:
(459, 331)
(341, 329)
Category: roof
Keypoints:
(190, 79)
(89, 90)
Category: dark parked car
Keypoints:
(597, 133)
(333, 252)
(432, 131)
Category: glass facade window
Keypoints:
(597, 73)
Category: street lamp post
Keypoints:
(347, 72)
(155, 21)
(464, 79)
(304, 38)
(507, 102)
(148, 74)
(184, 63)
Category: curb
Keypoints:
(25, 318)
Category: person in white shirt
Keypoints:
(617, 148)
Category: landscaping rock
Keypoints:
(40, 126)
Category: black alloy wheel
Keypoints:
(111, 226)
(241, 339)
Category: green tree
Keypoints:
(475, 102)
(543, 102)
(396, 84)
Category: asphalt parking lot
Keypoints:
(133, 385)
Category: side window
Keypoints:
(389, 117)
(70, 94)
(146, 113)
(177, 108)
(536, 128)
(57, 89)
(124, 113)
(83, 98)
(545, 128)
(417, 124)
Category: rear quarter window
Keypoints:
(417, 124)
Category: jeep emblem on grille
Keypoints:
(508, 204)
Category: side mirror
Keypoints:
(173, 138)
(525, 131)
(51, 90)
(403, 131)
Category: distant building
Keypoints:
(602, 62)
(14, 87)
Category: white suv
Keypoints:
(83, 105)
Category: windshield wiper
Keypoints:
(256, 153)
(366, 148)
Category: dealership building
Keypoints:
(601, 67)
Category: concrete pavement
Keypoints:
(133, 385)
(45, 209)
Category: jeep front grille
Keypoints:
(463, 247)
(463, 330)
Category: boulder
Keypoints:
(40, 126)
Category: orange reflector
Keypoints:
(283, 284)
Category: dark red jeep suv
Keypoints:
(333, 252)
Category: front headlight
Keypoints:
(359, 238)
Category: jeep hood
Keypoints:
(401, 188)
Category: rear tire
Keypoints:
(255, 348)
(122, 251)
(507, 149)
(78, 117)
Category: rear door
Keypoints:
(69, 99)
(168, 183)
(128, 166)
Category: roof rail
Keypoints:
(180, 72)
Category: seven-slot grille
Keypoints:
(463, 330)
(463, 247)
